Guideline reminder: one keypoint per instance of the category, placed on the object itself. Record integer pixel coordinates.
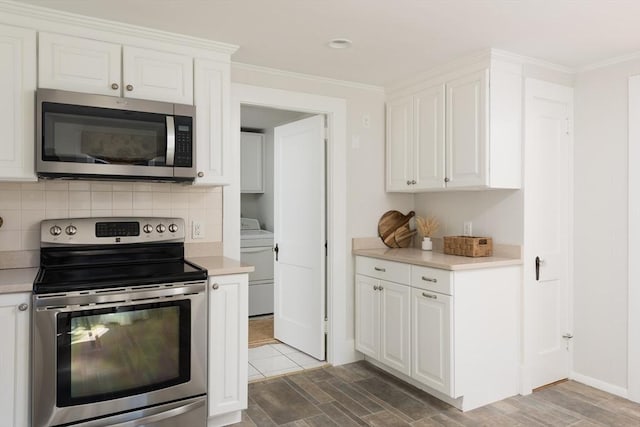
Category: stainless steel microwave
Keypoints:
(84, 136)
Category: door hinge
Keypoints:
(326, 326)
(567, 337)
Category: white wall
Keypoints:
(497, 214)
(600, 228)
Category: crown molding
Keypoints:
(529, 60)
(41, 13)
(311, 77)
(609, 62)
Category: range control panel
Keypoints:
(100, 231)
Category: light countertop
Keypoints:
(17, 280)
(219, 265)
(437, 259)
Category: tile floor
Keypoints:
(360, 394)
(277, 359)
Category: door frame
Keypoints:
(528, 270)
(340, 348)
(633, 328)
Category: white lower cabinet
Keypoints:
(14, 359)
(452, 333)
(228, 349)
(383, 321)
(431, 321)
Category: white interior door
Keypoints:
(548, 148)
(299, 233)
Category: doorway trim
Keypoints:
(340, 349)
(633, 328)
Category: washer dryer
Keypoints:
(256, 248)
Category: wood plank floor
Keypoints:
(359, 394)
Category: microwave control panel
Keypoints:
(184, 142)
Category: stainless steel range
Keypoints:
(119, 321)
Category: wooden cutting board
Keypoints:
(389, 223)
(403, 236)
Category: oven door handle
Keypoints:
(171, 141)
(160, 416)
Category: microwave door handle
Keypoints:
(171, 141)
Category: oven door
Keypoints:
(105, 352)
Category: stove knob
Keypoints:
(71, 230)
(173, 228)
(147, 228)
(161, 228)
(55, 230)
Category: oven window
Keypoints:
(122, 351)
(97, 135)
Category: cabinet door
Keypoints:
(251, 162)
(367, 316)
(14, 359)
(395, 324)
(79, 65)
(432, 352)
(212, 80)
(159, 76)
(399, 167)
(467, 130)
(428, 156)
(228, 348)
(17, 86)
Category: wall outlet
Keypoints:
(467, 229)
(197, 230)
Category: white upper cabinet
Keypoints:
(251, 162)
(213, 151)
(79, 65)
(17, 86)
(461, 130)
(84, 65)
(159, 76)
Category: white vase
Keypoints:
(427, 245)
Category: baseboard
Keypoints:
(600, 385)
(348, 354)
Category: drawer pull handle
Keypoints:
(380, 269)
(426, 295)
(429, 279)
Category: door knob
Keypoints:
(277, 251)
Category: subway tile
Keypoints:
(56, 200)
(11, 220)
(11, 240)
(56, 213)
(9, 186)
(142, 201)
(143, 187)
(32, 186)
(10, 199)
(123, 186)
(164, 213)
(101, 200)
(95, 213)
(122, 200)
(79, 186)
(56, 185)
(79, 213)
(79, 200)
(30, 240)
(161, 187)
(123, 212)
(197, 201)
(33, 199)
(180, 200)
(161, 201)
(142, 212)
(101, 186)
(182, 213)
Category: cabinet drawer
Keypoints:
(432, 279)
(385, 270)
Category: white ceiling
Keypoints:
(392, 39)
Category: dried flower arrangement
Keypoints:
(427, 227)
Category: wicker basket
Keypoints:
(468, 246)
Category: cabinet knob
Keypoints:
(446, 180)
(23, 307)
(408, 182)
(375, 287)
(215, 286)
(200, 174)
(380, 288)
(115, 86)
(413, 181)
(129, 88)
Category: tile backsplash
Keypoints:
(24, 205)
